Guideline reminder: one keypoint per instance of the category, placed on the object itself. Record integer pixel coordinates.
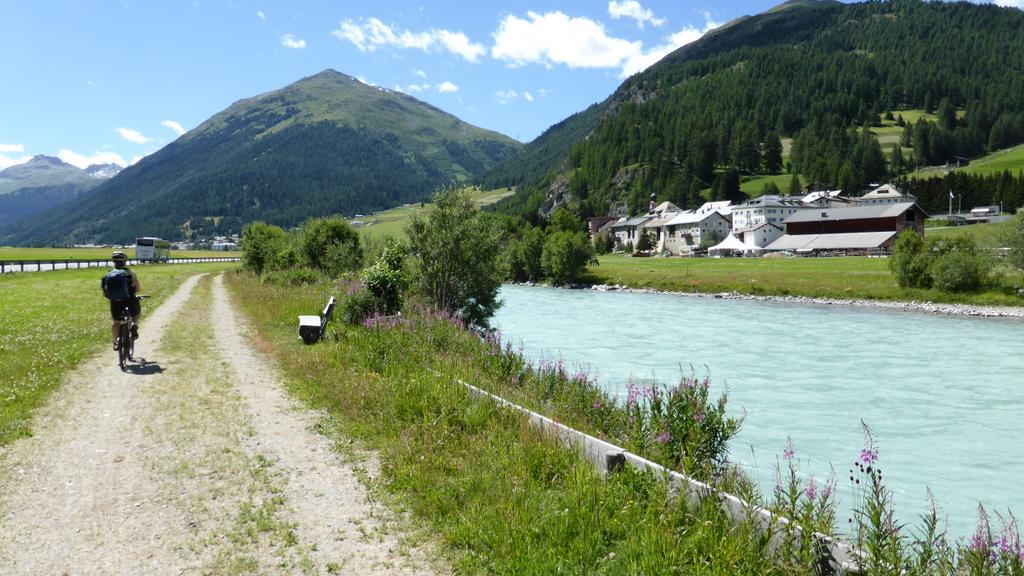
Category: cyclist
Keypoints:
(120, 286)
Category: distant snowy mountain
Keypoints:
(103, 171)
(45, 182)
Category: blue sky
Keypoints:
(112, 81)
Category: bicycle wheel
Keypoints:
(131, 345)
(124, 351)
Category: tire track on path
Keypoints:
(77, 498)
(335, 518)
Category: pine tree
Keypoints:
(795, 189)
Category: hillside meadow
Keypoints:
(51, 321)
(393, 222)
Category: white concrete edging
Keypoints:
(836, 557)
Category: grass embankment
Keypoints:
(393, 222)
(503, 498)
(841, 278)
(1011, 159)
(10, 253)
(51, 321)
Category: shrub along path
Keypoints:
(194, 461)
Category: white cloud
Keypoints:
(83, 162)
(261, 15)
(6, 161)
(12, 148)
(505, 96)
(178, 129)
(289, 41)
(633, 9)
(132, 135)
(447, 86)
(690, 33)
(528, 96)
(418, 87)
(419, 73)
(1010, 3)
(372, 33)
(555, 38)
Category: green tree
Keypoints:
(386, 280)
(455, 258)
(330, 245)
(521, 259)
(909, 261)
(772, 153)
(946, 114)
(1013, 238)
(564, 220)
(261, 242)
(795, 188)
(646, 241)
(565, 256)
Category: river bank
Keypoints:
(912, 305)
(854, 279)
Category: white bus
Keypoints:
(152, 250)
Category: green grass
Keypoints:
(502, 497)
(753, 185)
(986, 235)
(393, 222)
(52, 321)
(1011, 159)
(843, 278)
(10, 253)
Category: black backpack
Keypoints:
(117, 285)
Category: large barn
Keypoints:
(861, 228)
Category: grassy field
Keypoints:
(11, 253)
(753, 185)
(393, 222)
(843, 278)
(986, 235)
(501, 497)
(50, 322)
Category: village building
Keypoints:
(758, 222)
(598, 223)
(827, 199)
(685, 232)
(757, 211)
(860, 228)
(886, 194)
(627, 231)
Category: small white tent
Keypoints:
(734, 244)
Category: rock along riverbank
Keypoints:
(909, 306)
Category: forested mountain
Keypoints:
(45, 182)
(821, 73)
(326, 144)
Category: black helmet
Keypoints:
(119, 256)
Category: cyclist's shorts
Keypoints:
(117, 305)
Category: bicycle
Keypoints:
(125, 341)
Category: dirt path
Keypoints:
(193, 463)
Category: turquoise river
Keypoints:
(943, 395)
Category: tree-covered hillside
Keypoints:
(327, 144)
(821, 73)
